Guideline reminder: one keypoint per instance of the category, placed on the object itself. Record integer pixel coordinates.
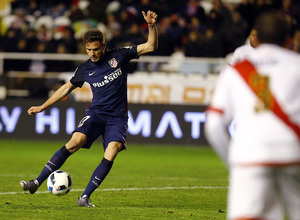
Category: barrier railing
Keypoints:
(185, 65)
(155, 65)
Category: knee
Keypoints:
(112, 150)
(76, 142)
(116, 146)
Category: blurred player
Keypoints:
(106, 72)
(263, 96)
(242, 52)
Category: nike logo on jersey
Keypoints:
(90, 74)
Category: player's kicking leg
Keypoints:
(56, 161)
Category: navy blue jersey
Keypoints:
(108, 80)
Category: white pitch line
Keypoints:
(131, 189)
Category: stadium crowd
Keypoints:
(192, 26)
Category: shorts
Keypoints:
(263, 192)
(111, 129)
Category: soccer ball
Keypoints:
(59, 183)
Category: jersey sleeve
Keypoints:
(218, 116)
(220, 99)
(77, 78)
(130, 52)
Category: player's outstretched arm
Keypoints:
(62, 92)
(152, 42)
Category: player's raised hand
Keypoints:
(150, 17)
(34, 110)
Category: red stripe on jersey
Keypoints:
(259, 85)
(209, 108)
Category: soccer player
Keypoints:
(106, 72)
(262, 95)
(242, 52)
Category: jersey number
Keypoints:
(83, 120)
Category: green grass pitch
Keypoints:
(146, 182)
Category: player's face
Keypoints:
(253, 38)
(95, 50)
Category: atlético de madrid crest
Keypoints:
(113, 63)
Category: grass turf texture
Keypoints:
(146, 182)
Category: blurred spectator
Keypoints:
(22, 47)
(261, 6)
(194, 9)
(9, 41)
(292, 14)
(117, 39)
(164, 45)
(222, 11)
(295, 43)
(21, 24)
(124, 17)
(56, 10)
(33, 8)
(61, 65)
(288, 7)
(9, 45)
(214, 21)
(235, 33)
(76, 14)
(196, 24)
(194, 45)
(228, 23)
(68, 40)
(31, 39)
(44, 34)
(96, 9)
(247, 9)
(174, 31)
(212, 46)
(111, 24)
(38, 65)
(134, 36)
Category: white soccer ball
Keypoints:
(59, 183)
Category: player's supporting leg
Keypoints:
(98, 176)
(100, 173)
(56, 161)
(96, 179)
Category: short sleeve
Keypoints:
(130, 52)
(77, 78)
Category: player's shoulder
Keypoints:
(82, 66)
(244, 47)
(241, 53)
(290, 54)
(85, 63)
(282, 54)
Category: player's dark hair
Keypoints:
(254, 27)
(272, 28)
(93, 35)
